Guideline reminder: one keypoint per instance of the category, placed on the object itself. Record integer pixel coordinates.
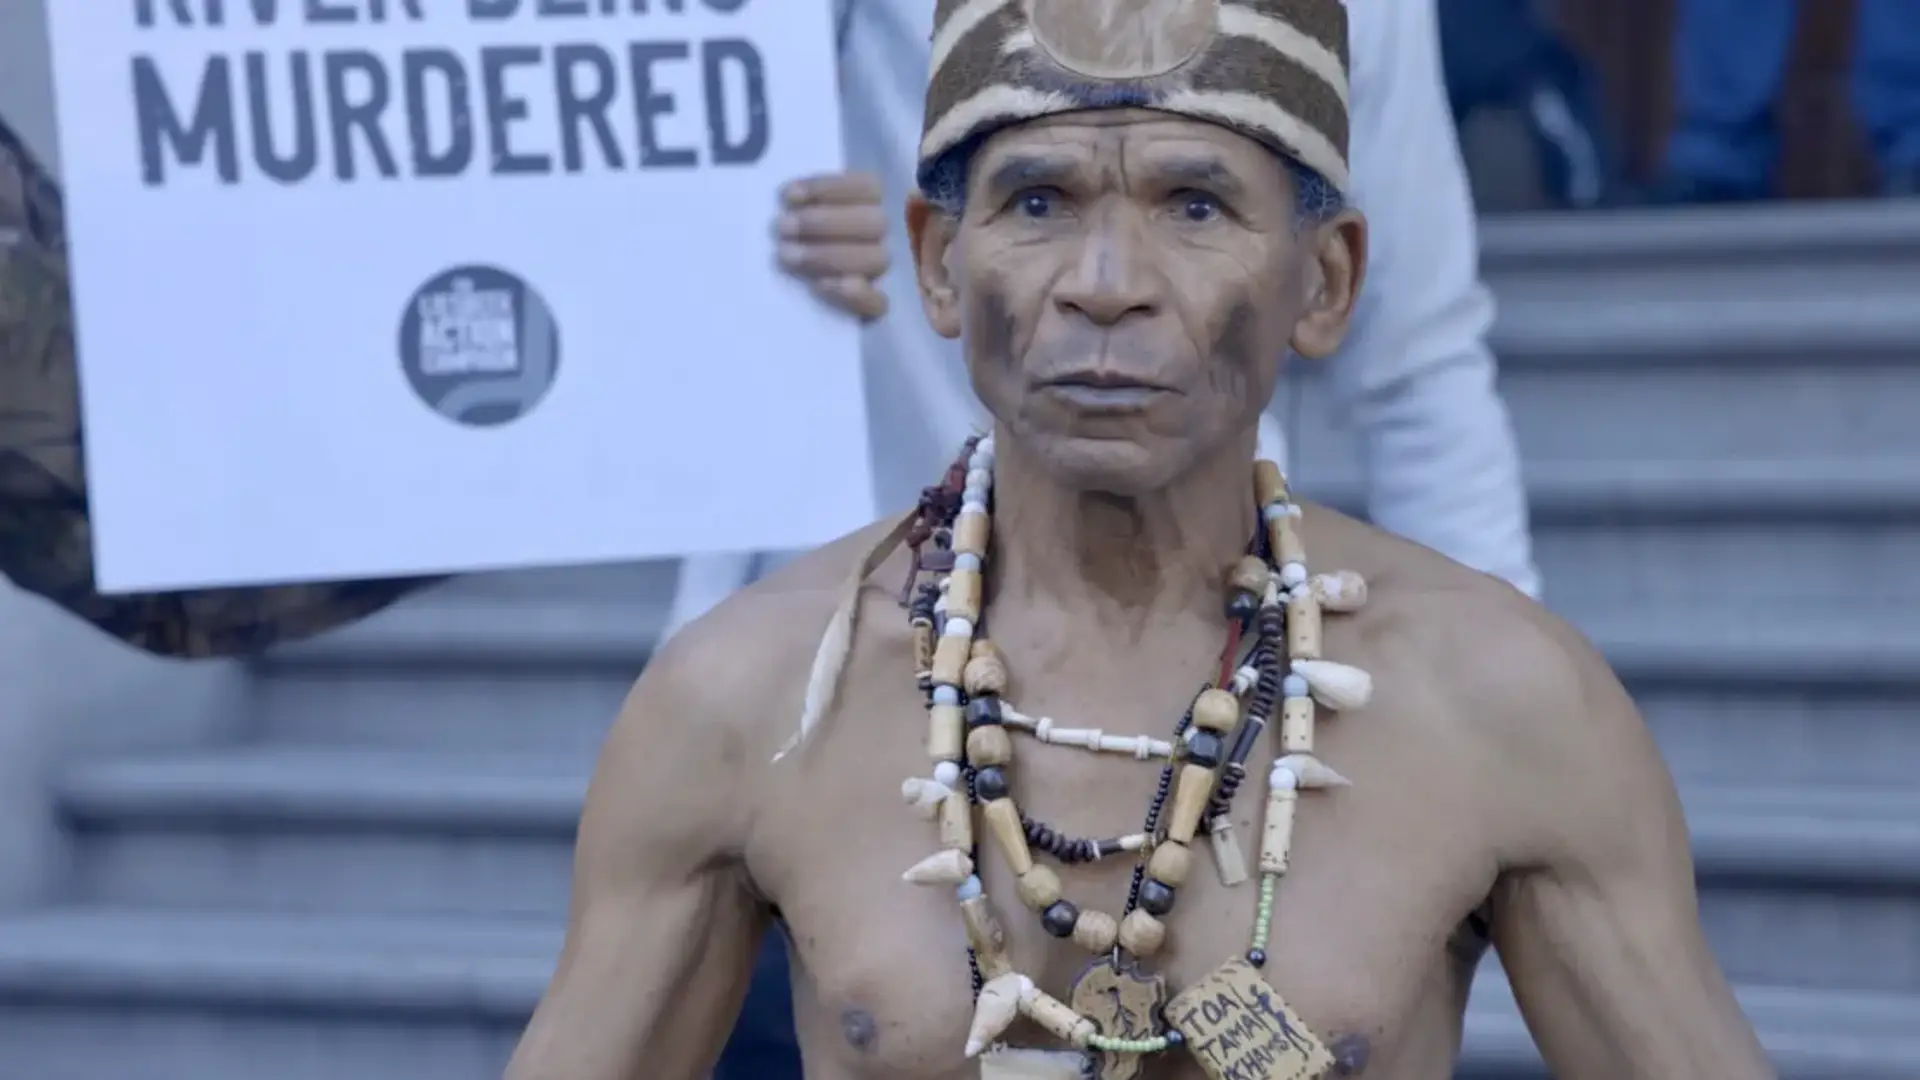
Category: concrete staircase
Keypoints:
(1717, 414)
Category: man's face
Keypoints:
(1125, 284)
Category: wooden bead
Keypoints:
(946, 732)
(950, 660)
(1250, 574)
(1296, 726)
(989, 744)
(1039, 888)
(1141, 934)
(1190, 795)
(956, 822)
(1217, 711)
(985, 675)
(1170, 863)
(923, 650)
(1276, 836)
(970, 532)
(1057, 1018)
(1269, 484)
(1285, 535)
(1096, 931)
(963, 594)
(1303, 626)
(1003, 821)
(984, 935)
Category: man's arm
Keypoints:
(664, 925)
(45, 542)
(1417, 379)
(1595, 916)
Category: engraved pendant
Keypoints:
(1124, 1004)
(1238, 1028)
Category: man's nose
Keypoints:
(1112, 278)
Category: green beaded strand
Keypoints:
(1108, 1045)
(1263, 915)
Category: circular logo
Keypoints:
(479, 346)
(1123, 39)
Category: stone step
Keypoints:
(104, 995)
(1800, 884)
(1809, 1034)
(1837, 244)
(463, 670)
(1672, 537)
(109, 995)
(283, 829)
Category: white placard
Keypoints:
(377, 287)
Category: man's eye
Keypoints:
(1035, 204)
(1199, 207)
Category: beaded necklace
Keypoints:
(1118, 1013)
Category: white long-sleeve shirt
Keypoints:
(1415, 377)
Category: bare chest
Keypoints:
(1363, 942)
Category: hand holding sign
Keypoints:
(832, 235)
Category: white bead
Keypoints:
(966, 560)
(1274, 511)
(1293, 686)
(947, 773)
(968, 889)
(979, 477)
(946, 695)
(1283, 779)
(972, 506)
(958, 627)
(1293, 574)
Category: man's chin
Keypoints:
(1109, 463)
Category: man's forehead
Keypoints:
(1129, 140)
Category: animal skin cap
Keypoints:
(1273, 70)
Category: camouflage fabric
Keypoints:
(45, 544)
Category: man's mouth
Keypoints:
(1103, 391)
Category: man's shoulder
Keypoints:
(1495, 653)
(742, 668)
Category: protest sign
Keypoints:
(376, 287)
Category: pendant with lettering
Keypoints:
(1034, 1065)
(1124, 1004)
(1237, 1027)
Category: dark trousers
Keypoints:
(1502, 53)
(763, 1045)
(1730, 57)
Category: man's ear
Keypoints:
(1336, 269)
(931, 231)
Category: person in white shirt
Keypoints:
(1416, 379)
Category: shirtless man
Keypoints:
(1120, 249)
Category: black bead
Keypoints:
(1204, 749)
(1156, 897)
(983, 710)
(1242, 606)
(990, 784)
(1058, 919)
(1175, 1040)
(1257, 957)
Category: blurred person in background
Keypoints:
(1505, 54)
(45, 540)
(1416, 379)
(1730, 59)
